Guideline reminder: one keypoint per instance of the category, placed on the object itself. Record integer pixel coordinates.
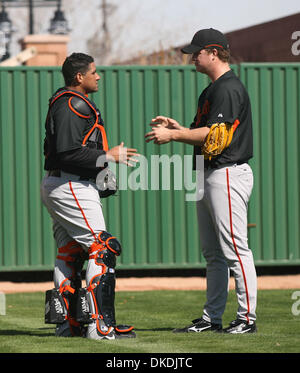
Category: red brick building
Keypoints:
(274, 41)
(267, 42)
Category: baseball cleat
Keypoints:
(240, 327)
(111, 335)
(65, 330)
(109, 332)
(198, 326)
(125, 335)
(124, 331)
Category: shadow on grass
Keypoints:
(37, 333)
(154, 330)
(12, 332)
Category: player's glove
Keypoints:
(218, 138)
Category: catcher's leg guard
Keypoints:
(100, 278)
(61, 302)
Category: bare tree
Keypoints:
(99, 44)
(109, 43)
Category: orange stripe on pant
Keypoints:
(234, 245)
(81, 210)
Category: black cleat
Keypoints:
(198, 326)
(124, 331)
(240, 327)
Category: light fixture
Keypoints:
(58, 24)
(6, 30)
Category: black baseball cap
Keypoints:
(206, 38)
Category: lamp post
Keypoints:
(31, 4)
(6, 30)
(58, 24)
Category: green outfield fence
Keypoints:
(158, 229)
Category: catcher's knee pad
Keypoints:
(100, 291)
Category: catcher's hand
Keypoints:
(218, 138)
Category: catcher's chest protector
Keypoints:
(84, 108)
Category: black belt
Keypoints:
(57, 173)
(214, 166)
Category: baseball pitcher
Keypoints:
(222, 133)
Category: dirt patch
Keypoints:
(161, 283)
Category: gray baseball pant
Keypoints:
(76, 211)
(222, 218)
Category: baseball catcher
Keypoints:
(75, 139)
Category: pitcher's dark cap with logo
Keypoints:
(206, 38)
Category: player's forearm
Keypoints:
(195, 136)
(84, 158)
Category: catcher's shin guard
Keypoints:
(55, 310)
(101, 287)
(61, 302)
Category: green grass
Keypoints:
(154, 314)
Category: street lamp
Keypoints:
(58, 24)
(6, 30)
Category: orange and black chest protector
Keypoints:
(75, 134)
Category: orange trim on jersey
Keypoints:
(235, 124)
(202, 111)
(235, 247)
